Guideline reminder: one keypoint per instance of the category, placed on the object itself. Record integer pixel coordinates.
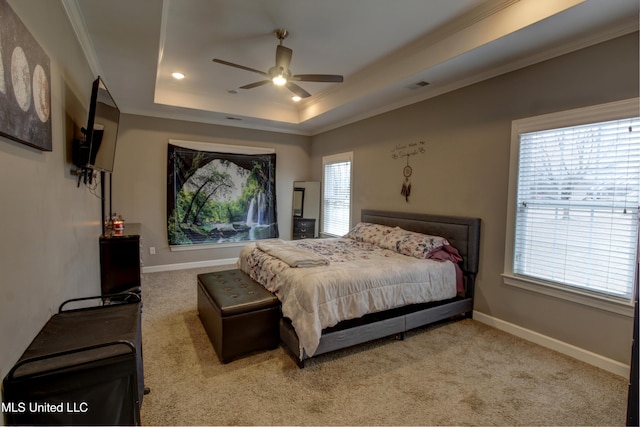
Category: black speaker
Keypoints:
(80, 153)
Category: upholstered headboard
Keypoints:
(463, 233)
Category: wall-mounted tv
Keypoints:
(102, 128)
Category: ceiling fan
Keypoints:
(280, 74)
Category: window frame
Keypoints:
(581, 116)
(336, 158)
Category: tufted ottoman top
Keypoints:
(233, 292)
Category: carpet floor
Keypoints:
(453, 373)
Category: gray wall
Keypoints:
(50, 228)
(465, 172)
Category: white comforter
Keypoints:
(291, 254)
(360, 279)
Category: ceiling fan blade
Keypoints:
(256, 84)
(329, 78)
(283, 57)
(242, 67)
(297, 90)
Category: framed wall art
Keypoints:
(25, 90)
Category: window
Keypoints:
(336, 194)
(574, 198)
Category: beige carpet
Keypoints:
(458, 373)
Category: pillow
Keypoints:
(369, 233)
(413, 244)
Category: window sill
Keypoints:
(577, 296)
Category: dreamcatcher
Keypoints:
(406, 184)
(407, 150)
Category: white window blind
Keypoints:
(336, 199)
(576, 217)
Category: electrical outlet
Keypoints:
(152, 250)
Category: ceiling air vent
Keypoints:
(418, 85)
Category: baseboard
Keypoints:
(581, 354)
(187, 265)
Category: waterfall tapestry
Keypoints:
(218, 197)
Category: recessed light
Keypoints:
(295, 98)
(177, 76)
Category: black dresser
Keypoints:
(120, 260)
(304, 228)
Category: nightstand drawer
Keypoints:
(304, 228)
(302, 225)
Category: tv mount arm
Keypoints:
(80, 157)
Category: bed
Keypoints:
(323, 304)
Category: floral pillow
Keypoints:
(369, 233)
(413, 244)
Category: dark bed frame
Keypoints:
(462, 233)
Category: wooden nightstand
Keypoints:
(304, 228)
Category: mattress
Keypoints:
(359, 278)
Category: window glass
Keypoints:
(577, 206)
(336, 190)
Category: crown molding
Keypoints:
(624, 28)
(72, 9)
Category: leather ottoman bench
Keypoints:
(239, 315)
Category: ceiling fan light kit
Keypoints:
(279, 80)
(281, 74)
